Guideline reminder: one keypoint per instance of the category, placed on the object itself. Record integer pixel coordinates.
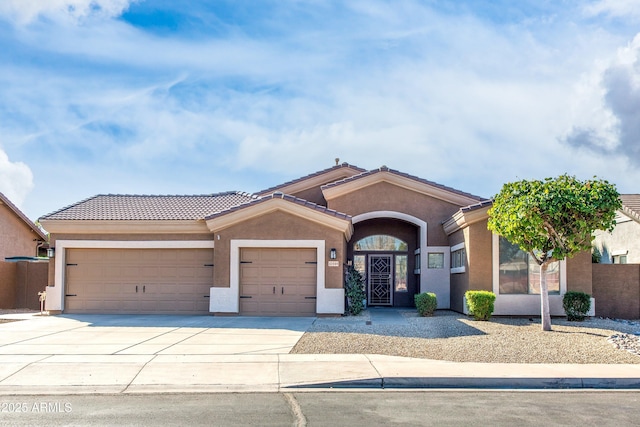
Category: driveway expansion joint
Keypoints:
(124, 390)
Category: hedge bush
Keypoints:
(354, 291)
(480, 304)
(426, 303)
(576, 305)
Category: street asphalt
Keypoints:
(80, 354)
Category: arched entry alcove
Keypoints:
(383, 249)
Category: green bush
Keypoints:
(354, 291)
(480, 304)
(426, 303)
(576, 305)
(596, 255)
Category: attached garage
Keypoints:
(159, 281)
(278, 281)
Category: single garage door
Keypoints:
(162, 281)
(278, 282)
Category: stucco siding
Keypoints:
(277, 225)
(459, 281)
(128, 237)
(479, 257)
(16, 237)
(313, 195)
(625, 238)
(384, 196)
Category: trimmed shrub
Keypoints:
(576, 305)
(480, 304)
(426, 303)
(354, 291)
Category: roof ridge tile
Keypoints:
(311, 175)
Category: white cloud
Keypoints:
(616, 8)
(446, 96)
(25, 11)
(16, 179)
(607, 110)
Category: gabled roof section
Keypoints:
(122, 207)
(5, 201)
(631, 205)
(281, 202)
(467, 215)
(316, 179)
(414, 183)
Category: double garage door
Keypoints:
(162, 281)
(278, 282)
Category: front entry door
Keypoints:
(380, 279)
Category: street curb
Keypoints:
(476, 383)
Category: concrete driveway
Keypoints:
(113, 353)
(147, 354)
(151, 335)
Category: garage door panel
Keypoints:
(250, 254)
(297, 308)
(279, 280)
(296, 289)
(167, 280)
(250, 289)
(248, 273)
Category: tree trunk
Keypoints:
(544, 298)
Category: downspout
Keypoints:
(39, 245)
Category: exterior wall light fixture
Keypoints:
(51, 252)
(333, 254)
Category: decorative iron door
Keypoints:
(380, 280)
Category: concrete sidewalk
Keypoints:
(146, 354)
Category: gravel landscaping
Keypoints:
(455, 337)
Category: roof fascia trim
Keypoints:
(463, 219)
(219, 223)
(122, 226)
(630, 213)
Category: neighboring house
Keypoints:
(19, 236)
(622, 245)
(20, 239)
(282, 251)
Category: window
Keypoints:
(401, 273)
(619, 259)
(380, 242)
(458, 258)
(359, 264)
(436, 260)
(520, 274)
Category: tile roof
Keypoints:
(123, 207)
(23, 217)
(295, 181)
(475, 206)
(405, 175)
(631, 205)
(286, 197)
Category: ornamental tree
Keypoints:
(552, 220)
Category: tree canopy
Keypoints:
(553, 219)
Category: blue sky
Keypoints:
(198, 97)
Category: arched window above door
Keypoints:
(380, 242)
